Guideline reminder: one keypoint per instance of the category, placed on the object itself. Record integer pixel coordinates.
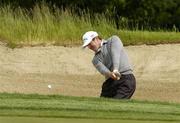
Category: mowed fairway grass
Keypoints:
(85, 108)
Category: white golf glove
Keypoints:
(118, 75)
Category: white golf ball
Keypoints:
(49, 86)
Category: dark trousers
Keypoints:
(119, 89)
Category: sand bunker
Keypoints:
(70, 72)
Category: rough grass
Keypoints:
(41, 26)
(149, 38)
(83, 107)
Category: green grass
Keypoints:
(149, 38)
(63, 27)
(55, 106)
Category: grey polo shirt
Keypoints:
(110, 56)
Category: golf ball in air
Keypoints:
(49, 86)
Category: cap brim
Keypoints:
(86, 44)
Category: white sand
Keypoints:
(70, 72)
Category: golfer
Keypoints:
(111, 60)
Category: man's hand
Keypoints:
(115, 75)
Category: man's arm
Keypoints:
(104, 70)
(116, 47)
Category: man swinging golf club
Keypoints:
(112, 61)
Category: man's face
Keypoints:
(94, 45)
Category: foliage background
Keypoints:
(132, 14)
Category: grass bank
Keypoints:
(55, 106)
(41, 26)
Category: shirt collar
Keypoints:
(100, 48)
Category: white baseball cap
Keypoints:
(87, 37)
